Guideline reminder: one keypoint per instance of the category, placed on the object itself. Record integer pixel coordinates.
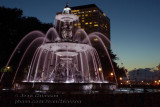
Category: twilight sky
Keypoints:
(135, 25)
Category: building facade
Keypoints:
(92, 19)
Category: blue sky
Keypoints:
(135, 25)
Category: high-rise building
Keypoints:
(92, 19)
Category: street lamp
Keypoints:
(127, 81)
(111, 74)
(100, 69)
(141, 81)
(121, 78)
(8, 67)
(155, 82)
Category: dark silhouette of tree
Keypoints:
(106, 65)
(13, 27)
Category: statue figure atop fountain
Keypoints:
(65, 22)
(67, 9)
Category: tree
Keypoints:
(13, 27)
(105, 62)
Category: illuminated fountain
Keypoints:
(63, 57)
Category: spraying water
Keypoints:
(61, 56)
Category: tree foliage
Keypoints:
(13, 27)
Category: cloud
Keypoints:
(146, 74)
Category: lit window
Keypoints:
(86, 23)
(75, 24)
(82, 20)
(94, 10)
(96, 25)
(79, 23)
(104, 14)
(79, 26)
(89, 11)
(79, 15)
(75, 11)
(90, 22)
(95, 39)
(86, 15)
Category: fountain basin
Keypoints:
(66, 46)
(65, 87)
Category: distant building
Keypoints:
(92, 19)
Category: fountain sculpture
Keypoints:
(64, 55)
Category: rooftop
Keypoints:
(84, 6)
(89, 6)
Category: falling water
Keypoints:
(31, 36)
(61, 56)
(105, 40)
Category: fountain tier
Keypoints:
(66, 17)
(65, 63)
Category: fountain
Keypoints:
(62, 60)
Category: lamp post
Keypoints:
(111, 76)
(120, 78)
(6, 69)
(100, 69)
